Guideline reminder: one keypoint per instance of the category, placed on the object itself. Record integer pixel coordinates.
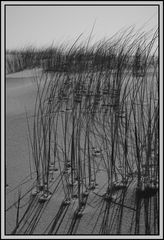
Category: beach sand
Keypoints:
(20, 97)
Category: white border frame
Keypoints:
(3, 236)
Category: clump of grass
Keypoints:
(96, 108)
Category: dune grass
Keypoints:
(96, 112)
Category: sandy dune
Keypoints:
(20, 96)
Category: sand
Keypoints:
(20, 97)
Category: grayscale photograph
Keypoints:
(81, 135)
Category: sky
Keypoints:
(42, 25)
